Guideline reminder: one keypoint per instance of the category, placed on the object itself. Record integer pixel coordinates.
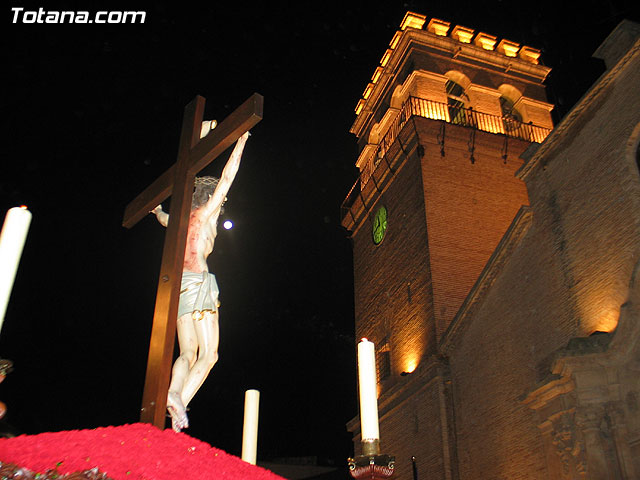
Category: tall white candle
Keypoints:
(368, 391)
(12, 238)
(250, 428)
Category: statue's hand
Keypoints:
(162, 217)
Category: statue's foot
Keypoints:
(179, 419)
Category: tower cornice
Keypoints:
(507, 58)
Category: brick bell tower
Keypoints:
(440, 129)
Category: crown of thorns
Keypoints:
(206, 181)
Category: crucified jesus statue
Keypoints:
(197, 325)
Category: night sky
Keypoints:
(93, 116)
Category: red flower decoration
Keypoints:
(129, 452)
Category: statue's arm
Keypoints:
(161, 215)
(226, 179)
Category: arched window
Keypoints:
(456, 102)
(511, 118)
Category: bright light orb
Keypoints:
(228, 224)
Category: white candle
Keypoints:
(12, 238)
(368, 391)
(250, 428)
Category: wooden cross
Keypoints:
(193, 155)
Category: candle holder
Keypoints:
(6, 366)
(371, 464)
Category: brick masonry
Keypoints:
(468, 207)
(564, 277)
(446, 216)
(567, 278)
(393, 278)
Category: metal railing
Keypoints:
(466, 117)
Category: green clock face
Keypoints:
(379, 225)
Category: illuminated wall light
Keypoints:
(376, 75)
(462, 34)
(413, 20)
(385, 58)
(359, 106)
(395, 40)
(607, 323)
(485, 41)
(508, 48)
(367, 91)
(411, 366)
(529, 54)
(600, 311)
(438, 27)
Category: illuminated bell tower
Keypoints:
(440, 127)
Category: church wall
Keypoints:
(502, 354)
(468, 207)
(413, 429)
(566, 278)
(592, 192)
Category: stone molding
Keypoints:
(580, 405)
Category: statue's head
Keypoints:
(205, 186)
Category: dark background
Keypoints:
(93, 115)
